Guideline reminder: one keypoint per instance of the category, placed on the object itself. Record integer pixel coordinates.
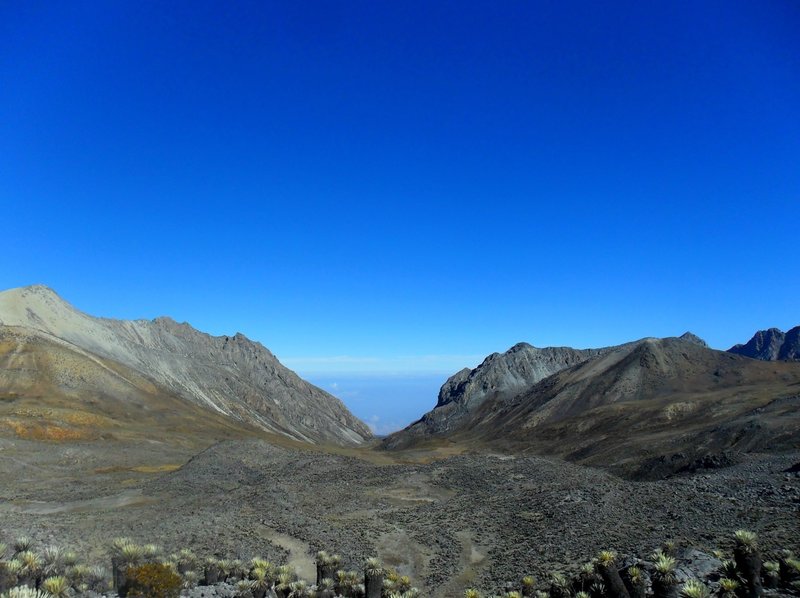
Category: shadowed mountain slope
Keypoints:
(632, 407)
(500, 377)
(233, 377)
(771, 345)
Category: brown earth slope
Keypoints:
(646, 409)
(52, 391)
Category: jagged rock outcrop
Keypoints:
(693, 338)
(500, 377)
(230, 375)
(771, 345)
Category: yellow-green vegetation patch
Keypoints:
(156, 468)
(50, 432)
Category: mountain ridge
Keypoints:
(771, 344)
(645, 409)
(231, 375)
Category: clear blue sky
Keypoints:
(407, 186)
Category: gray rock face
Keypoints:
(771, 345)
(229, 374)
(501, 376)
(473, 396)
(693, 338)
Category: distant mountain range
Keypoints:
(56, 362)
(771, 345)
(644, 408)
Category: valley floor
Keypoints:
(449, 522)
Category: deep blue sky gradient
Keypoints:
(407, 186)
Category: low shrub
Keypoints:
(152, 580)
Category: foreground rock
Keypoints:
(476, 520)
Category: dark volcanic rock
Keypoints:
(771, 345)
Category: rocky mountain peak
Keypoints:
(231, 375)
(770, 345)
(693, 338)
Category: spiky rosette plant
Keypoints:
(24, 592)
(327, 564)
(793, 575)
(771, 574)
(125, 553)
(665, 581)
(373, 578)
(239, 569)
(326, 588)
(98, 579)
(528, 585)
(786, 561)
(389, 586)
(582, 594)
(598, 590)
(694, 589)
(31, 568)
(22, 544)
(559, 586)
(151, 552)
(283, 585)
(69, 558)
(211, 571)
(244, 589)
(225, 567)
(586, 577)
(606, 564)
(259, 582)
(57, 586)
(472, 593)
(190, 579)
(8, 574)
(728, 569)
(52, 561)
(131, 554)
(748, 562)
(635, 582)
(258, 562)
(346, 583)
(186, 561)
(78, 574)
(403, 583)
(728, 588)
(299, 589)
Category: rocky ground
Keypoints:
(448, 523)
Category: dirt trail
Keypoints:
(299, 552)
